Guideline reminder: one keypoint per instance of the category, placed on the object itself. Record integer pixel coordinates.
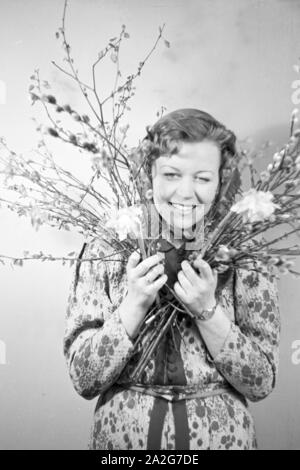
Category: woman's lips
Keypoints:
(183, 208)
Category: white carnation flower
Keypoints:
(126, 221)
(255, 206)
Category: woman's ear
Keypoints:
(149, 194)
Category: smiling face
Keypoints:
(185, 184)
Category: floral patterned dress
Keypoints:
(185, 400)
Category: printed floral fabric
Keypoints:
(99, 355)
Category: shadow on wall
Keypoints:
(278, 134)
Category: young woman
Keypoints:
(192, 394)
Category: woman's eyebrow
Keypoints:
(199, 171)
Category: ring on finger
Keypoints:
(149, 281)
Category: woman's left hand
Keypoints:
(197, 291)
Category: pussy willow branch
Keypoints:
(65, 72)
(142, 63)
(79, 185)
(57, 195)
(180, 334)
(74, 72)
(186, 309)
(114, 119)
(148, 325)
(282, 237)
(47, 184)
(109, 144)
(62, 258)
(66, 139)
(94, 89)
(100, 119)
(90, 225)
(282, 178)
(216, 233)
(152, 345)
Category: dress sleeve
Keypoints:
(96, 343)
(250, 355)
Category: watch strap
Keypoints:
(207, 313)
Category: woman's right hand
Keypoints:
(141, 294)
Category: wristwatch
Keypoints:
(207, 314)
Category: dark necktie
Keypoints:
(173, 259)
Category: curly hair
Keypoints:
(191, 125)
(187, 125)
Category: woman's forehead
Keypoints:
(198, 155)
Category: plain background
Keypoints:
(232, 58)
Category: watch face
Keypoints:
(207, 314)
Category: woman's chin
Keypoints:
(180, 223)
(181, 226)
(186, 222)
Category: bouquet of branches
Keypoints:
(115, 202)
